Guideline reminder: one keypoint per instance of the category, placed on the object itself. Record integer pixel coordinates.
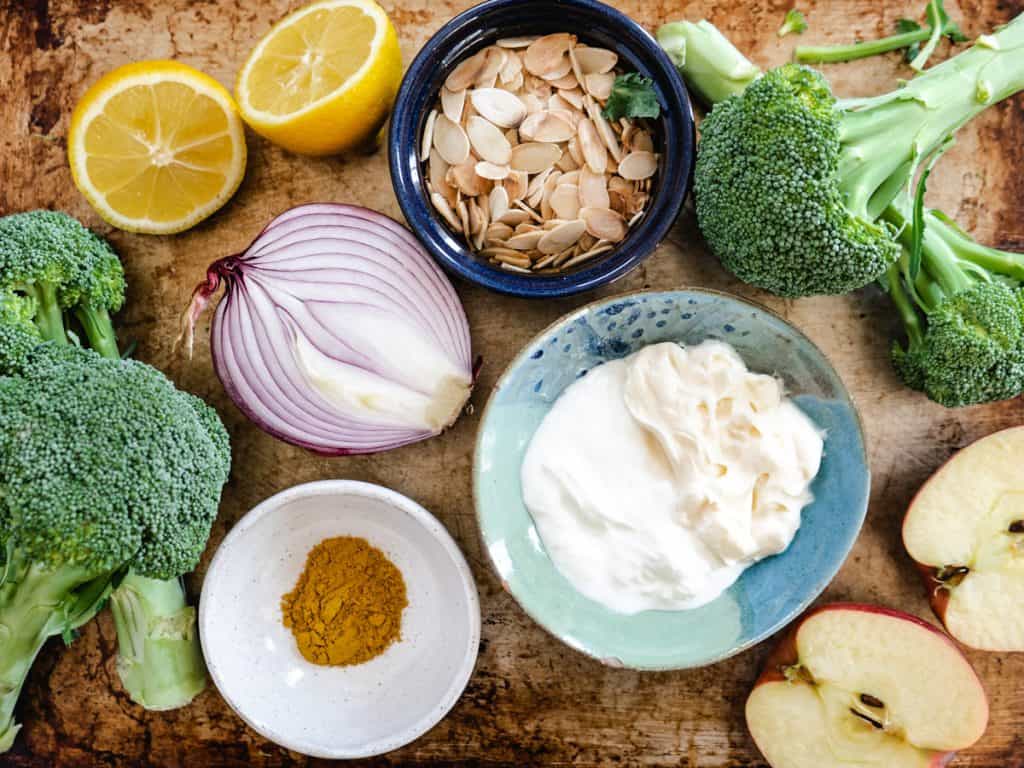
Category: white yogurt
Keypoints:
(655, 480)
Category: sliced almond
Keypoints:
(516, 42)
(577, 70)
(534, 103)
(498, 202)
(452, 103)
(587, 255)
(593, 189)
(561, 237)
(536, 184)
(595, 60)
(573, 96)
(499, 106)
(593, 149)
(535, 156)
(497, 231)
(570, 177)
(451, 141)
(489, 170)
(604, 223)
(565, 201)
(428, 136)
(637, 166)
(599, 84)
(514, 217)
(529, 211)
(494, 60)
(547, 127)
(566, 163)
(575, 151)
(546, 211)
(607, 135)
(526, 226)
(476, 222)
(566, 83)
(516, 83)
(527, 241)
(641, 141)
(512, 67)
(466, 71)
(512, 137)
(618, 202)
(516, 184)
(463, 211)
(441, 206)
(465, 178)
(558, 72)
(545, 53)
(488, 141)
(437, 169)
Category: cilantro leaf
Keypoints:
(632, 95)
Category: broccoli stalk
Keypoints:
(35, 604)
(791, 185)
(159, 662)
(910, 35)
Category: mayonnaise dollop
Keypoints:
(655, 480)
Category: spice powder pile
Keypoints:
(347, 605)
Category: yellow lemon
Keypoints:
(323, 79)
(156, 147)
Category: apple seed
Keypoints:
(871, 701)
(867, 719)
(1017, 526)
(952, 575)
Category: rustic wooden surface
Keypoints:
(531, 701)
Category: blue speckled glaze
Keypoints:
(769, 594)
(595, 23)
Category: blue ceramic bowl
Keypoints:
(770, 593)
(596, 24)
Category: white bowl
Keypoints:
(338, 712)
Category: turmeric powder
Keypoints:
(347, 605)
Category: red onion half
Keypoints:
(337, 332)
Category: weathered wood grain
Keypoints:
(531, 701)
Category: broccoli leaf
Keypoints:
(904, 26)
(632, 95)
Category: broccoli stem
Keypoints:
(35, 604)
(159, 659)
(49, 317)
(714, 68)
(905, 307)
(829, 54)
(99, 330)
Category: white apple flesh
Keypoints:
(852, 686)
(965, 530)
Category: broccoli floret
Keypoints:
(790, 184)
(51, 267)
(919, 41)
(794, 23)
(107, 473)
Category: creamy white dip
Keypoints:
(655, 480)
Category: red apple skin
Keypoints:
(938, 598)
(785, 653)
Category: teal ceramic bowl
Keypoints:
(770, 593)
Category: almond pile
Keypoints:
(522, 163)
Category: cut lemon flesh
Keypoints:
(324, 78)
(156, 147)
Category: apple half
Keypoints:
(852, 686)
(965, 530)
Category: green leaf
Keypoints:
(632, 95)
(909, 25)
(794, 23)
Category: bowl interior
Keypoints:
(596, 25)
(338, 711)
(768, 594)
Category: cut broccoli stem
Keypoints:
(160, 662)
(37, 603)
(830, 54)
(715, 69)
(99, 330)
(49, 317)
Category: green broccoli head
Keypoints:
(51, 265)
(105, 464)
(973, 349)
(767, 197)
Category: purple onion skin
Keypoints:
(230, 272)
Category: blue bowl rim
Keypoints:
(666, 204)
(813, 594)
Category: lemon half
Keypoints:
(156, 147)
(324, 78)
